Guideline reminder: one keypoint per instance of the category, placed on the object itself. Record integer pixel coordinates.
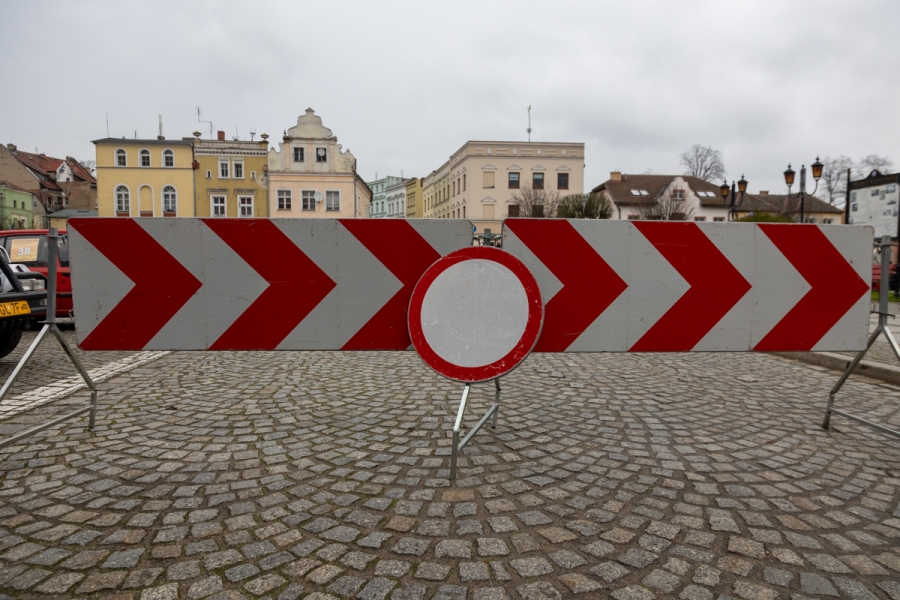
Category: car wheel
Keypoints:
(9, 341)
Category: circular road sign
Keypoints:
(475, 314)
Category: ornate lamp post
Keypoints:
(737, 197)
(789, 180)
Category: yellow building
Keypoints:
(414, 199)
(231, 177)
(436, 192)
(145, 178)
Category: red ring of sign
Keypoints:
(515, 356)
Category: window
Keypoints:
(238, 169)
(170, 200)
(121, 158)
(513, 181)
(634, 217)
(168, 158)
(562, 181)
(308, 200)
(874, 192)
(677, 194)
(123, 200)
(145, 158)
(464, 182)
(321, 155)
(284, 199)
(488, 179)
(208, 174)
(640, 193)
(718, 219)
(537, 181)
(252, 174)
(828, 221)
(332, 201)
(223, 169)
(245, 205)
(298, 155)
(699, 219)
(218, 206)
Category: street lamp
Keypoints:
(735, 199)
(789, 180)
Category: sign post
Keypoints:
(474, 316)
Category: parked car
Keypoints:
(23, 298)
(28, 247)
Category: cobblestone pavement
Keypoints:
(881, 350)
(324, 475)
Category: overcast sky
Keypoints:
(404, 84)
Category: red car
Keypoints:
(29, 247)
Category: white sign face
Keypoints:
(876, 206)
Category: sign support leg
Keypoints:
(492, 412)
(883, 315)
(50, 326)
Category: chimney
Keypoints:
(615, 175)
(221, 136)
(12, 147)
(763, 193)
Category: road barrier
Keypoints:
(472, 313)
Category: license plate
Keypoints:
(12, 309)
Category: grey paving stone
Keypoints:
(531, 567)
(453, 549)
(662, 581)
(124, 559)
(813, 583)
(540, 590)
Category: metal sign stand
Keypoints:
(883, 315)
(492, 411)
(51, 327)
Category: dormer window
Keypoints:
(321, 155)
(145, 158)
(678, 194)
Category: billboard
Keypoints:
(875, 201)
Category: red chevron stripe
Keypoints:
(716, 286)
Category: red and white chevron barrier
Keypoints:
(656, 286)
(251, 284)
(607, 286)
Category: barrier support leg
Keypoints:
(460, 444)
(883, 314)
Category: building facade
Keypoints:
(480, 180)
(58, 183)
(815, 210)
(231, 177)
(378, 206)
(145, 178)
(310, 176)
(395, 200)
(670, 197)
(414, 198)
(16, 207)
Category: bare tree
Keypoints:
(585, 206)
(834, 177)
(872, 162)
(89, 164)
(669, 205)
(536, 202)
(703, 163)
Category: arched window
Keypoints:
(170, 199)
(121, 158)
(123, 200)
(168, 158)
(145, 158)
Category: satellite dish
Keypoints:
(318, 196)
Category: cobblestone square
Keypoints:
(325, 475)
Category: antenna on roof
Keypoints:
(237, 136)
(252, 133)
(160, 136)
(199, 120)
(135, 134)
(529, 123)
(107, 123)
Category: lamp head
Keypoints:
(742, 184)
(724, 189)
(789, 176)
(817, 169)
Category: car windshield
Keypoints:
(31, 250)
